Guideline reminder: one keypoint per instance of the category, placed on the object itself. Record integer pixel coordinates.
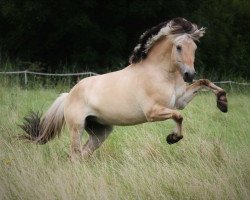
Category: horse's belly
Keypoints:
(120, 116)
(117, 111)
(121, 121)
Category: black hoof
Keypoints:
(173, 138)
(222, 106)
(222, 101)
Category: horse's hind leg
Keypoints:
(97, 135)
(75, 121)
(75, 146)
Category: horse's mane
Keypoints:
(175, 27)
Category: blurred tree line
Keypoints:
(100, 35)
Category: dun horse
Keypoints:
(150, 89)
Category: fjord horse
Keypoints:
(150, 89)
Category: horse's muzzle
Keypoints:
(188, 76)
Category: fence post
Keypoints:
(25, 77)
(230, 84)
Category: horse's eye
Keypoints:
(178, 47)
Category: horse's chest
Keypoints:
(177, 93)
(172, 101)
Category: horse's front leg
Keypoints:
(192, 90)
(160, 113)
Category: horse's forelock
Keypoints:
(198, 33)
(182, 26)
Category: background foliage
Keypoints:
(100, 35)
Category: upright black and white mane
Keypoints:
(175, 27)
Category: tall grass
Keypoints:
(211, 162)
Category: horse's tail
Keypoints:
(42, 129)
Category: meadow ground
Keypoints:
(211, 162)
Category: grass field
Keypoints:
(211, 162)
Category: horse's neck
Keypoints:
(160, 56)
(158, 62)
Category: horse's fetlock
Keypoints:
(221, 93)
(180, 118)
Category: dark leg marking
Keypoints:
(97, 135)
(173, 138)
(222, 101)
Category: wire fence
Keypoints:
(26, 72)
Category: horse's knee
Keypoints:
(204, 82)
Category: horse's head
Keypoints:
(177, 33)
(183, 55)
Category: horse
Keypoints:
(153, 87)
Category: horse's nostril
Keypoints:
(188, 77)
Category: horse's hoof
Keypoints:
(222, 101)
(173, 138)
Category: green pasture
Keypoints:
(211, 162)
